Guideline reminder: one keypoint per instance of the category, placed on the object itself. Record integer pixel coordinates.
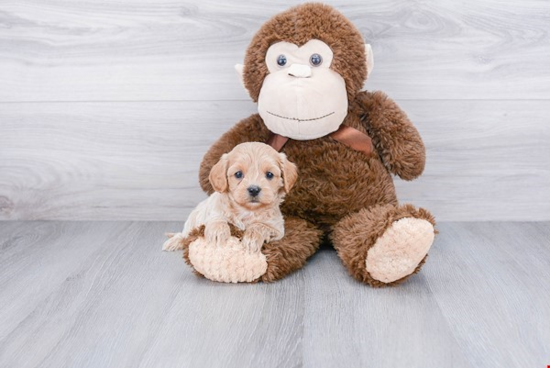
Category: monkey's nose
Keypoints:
(254, 190)
(299, 71)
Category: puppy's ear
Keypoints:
(218, 175)
(290, 172)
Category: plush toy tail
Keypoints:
(174, 242)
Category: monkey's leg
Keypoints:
(384, 245)
(290, 253)
(233, 263)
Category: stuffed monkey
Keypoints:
(305, 68)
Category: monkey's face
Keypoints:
(302, 97)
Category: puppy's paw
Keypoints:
(174, 243)
(217, 233)
(252, 242)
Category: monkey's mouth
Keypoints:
(300, 120)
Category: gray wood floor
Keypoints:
(102, 294)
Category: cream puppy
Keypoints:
(250, 183)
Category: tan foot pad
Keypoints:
(230, 263)
(400, 249)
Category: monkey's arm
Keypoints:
(251, 129)
(393, 135)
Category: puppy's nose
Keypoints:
(254, 190)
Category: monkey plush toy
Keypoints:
(305, 68)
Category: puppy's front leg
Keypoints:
(217, 232)
(255, 236)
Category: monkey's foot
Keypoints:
(230, 263)
(384, 245)
(401, 248)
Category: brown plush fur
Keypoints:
(298, 25)
(393, 135)
(355, 234)
(302, 237)
(337, 188)
(301, 240)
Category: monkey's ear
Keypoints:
(239, 69)
(218, 175)
(370, 58)
(290, 172)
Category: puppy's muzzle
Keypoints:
(254, 190)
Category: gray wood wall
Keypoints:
(106, 108)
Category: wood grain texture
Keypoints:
(501, 269)
(101, 294)
(185, 50)
(350, 325)
(472, 76)
(107, 160)
(116, 161)
(39, 258)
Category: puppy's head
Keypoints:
(254, 175)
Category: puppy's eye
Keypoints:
(269, 175)
(239, 174)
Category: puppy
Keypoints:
(250, 183)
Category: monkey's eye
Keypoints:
(316, 60)
(281, 60)
(239, 174)
(269, 175)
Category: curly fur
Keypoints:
(199, 233)
(250, 129)
(339, 191)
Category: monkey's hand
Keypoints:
(251, 129)
(394, 136)
(217, 232)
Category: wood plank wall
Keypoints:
(106, 108)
